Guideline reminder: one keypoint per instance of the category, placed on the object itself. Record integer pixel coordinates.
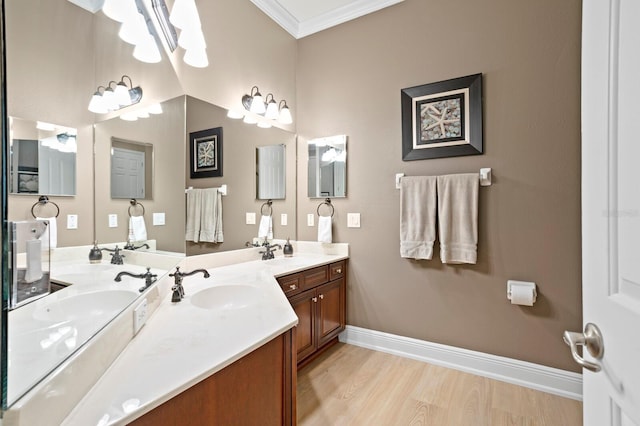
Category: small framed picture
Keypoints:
(442, 119)
(206, 153)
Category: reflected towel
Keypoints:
(417, 216)
(137, 228)
(211, 216)
(266, 227)
(50, 237)
(458, 217)
(324, 229)
(34, 261)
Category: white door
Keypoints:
(611, 208)
(127, 174)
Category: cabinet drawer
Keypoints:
(316, 276)
(291, 284)
(337, 270)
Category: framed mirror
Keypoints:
(271, 172)
(43, 158)
(327, 167)
(131, 169)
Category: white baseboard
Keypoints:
(539, 377)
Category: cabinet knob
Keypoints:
(315, 299)
(321, 296)
(339, 271)
(293, 287)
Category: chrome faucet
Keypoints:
(116, 257)
(178, 289)
(149, 278)
(268, 251)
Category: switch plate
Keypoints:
(250, 218)
(72, 221)
(139, 316)
(113, 221)
(310, 219)
(158, 219)
(353, 220)
(283, 219)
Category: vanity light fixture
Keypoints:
(184, 16)
(268, 108)
(111, 100)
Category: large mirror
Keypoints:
(42, 158)
(327, 167)
(61, 94)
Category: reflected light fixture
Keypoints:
(284, 116)
(267, 108)
(111, 100)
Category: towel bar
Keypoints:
(484, 176)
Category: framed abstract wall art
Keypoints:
(442, 119)
(206, 153)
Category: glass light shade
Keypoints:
(155, 109)
(184, 14)
(232, 113)
(272, 110)
(109, 99)
(196, 58)
(129, 116)
(257, 104)
(285, 116)
(122, 94)
(96, 104)
(264, 124)
(249, 119)
(118, 10)
(133, 29)
(147, 51)
(192, 38)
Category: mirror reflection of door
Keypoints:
(327, 167)
(127, 173)
(270, 172)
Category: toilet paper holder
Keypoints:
(514, 286)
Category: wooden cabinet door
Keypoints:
(331, 310)
(304, 305)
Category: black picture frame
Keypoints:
(442, 119)
(206, 153)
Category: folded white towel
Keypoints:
(324, 229)
(194, 210)
(211, 216)
(137, 228)
(417, 216)
(50, 236)
(266, 227)
(458, 217)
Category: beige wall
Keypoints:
(349, 81)
(239, 173)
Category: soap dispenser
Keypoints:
(95, 254)
(287, 249)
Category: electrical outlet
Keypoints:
(139, 316)
(250, 218)
(72, 221)
(353, 220)
(158, 219)
(283, 219)
(310, 219)
(113, 221)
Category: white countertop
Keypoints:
(182, 344)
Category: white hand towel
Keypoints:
(458, 217)
(266, 227)
(50, 236)
(417, 216)
(137, 229)
(211, 216)
(194, 210)
(34, 261)
(324, 229)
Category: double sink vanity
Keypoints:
(227, 351)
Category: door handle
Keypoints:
(591, 339)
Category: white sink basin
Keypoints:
(227, 297)
(86, 306)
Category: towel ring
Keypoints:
(135, 203)
(269, 206)
(43, 200)
(328, 203)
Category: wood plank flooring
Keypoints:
(349, 385)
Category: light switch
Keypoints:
(283, 219)
(353, 220)
(72, 221)
(310, 219)
(250, 218)
(158, 219)
(113, 221)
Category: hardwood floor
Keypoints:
(349, 385)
